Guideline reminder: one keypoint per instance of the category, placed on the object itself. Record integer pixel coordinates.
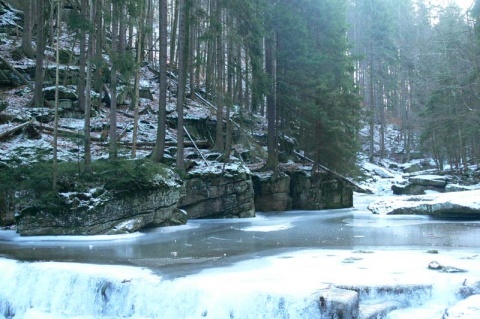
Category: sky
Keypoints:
(464, 4)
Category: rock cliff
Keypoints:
(104, 211)
(218, 191)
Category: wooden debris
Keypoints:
(14, 129)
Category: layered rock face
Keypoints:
(215, 191)
(218, 191)
(101, 211)
(417, 185)
(300, 189)
(319, 191)
(272, 194)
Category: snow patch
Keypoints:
(266, 229)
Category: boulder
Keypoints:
(271, 193)
(336, 303)
(468, 308)
(64, 93)
(429, 180)
(408, 189)
(413, 168)
(457, 188)
(379, 310)
(442, 205)
(382, 172)
(218, 191)
(469, 288)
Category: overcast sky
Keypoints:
(464, 4)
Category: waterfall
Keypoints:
(52, 290)
(286, 285)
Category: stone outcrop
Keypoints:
(429, 180)
(315, 191)
(370, 306)
(271, 194)
(464, 309)
(300, 189)
(218, 191)
(443, 205)
(417, 185)
(339, 303)
(408, 189)
(101, 211)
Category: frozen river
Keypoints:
(270, 266)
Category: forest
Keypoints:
(333, 75)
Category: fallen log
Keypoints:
(18, 74)
(50, 130)
(357, 187)
(199, 144)
(14, 129)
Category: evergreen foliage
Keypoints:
(315, 80)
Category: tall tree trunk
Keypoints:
(122, 42)
(99, 36)
(150, 34)
(372, 114)
(39, 55)
(173, 36)
(51, 24)
(182, 79)
(272, 161)
(29, 14)
(220, 78)
(57, 82)
(191, 56)
(230, 84)
(113, 81)
(140, 36)
(83, 57)
(158, 151)
(88, 90)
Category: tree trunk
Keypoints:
(182, 78)
(372, 115)
(88, 90)
(158, 151)
(173, 37)
(230, 84)
(113, 89)
(220, 78)
(140, 36)
(99, 36)
(57, 82)
(39, 72)
(83, 58)
(272, 161)
(29, 14)
(122, 30)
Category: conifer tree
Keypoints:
(162, 86)
(182, 50)
(38, 100)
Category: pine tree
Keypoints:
(162, 86)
